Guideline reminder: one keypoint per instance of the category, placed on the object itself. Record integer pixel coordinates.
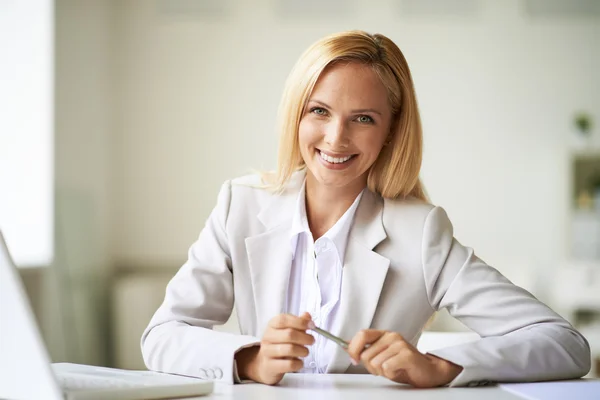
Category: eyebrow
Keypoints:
(362, 110)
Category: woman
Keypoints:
(342, 237)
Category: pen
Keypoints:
(341, 342)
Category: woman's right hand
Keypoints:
(281, 349)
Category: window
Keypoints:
(26, 130)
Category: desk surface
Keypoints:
(350, 387)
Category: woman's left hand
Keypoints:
(391, 356)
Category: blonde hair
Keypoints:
(395, 173)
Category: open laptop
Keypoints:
(26, 372)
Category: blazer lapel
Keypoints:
(270, 255)
(270, 258)
(363, 276)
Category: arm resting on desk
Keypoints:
(522, 339)
(178, 348)
(179, 338)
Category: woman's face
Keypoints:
(345, 124)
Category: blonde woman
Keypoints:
(342, 236)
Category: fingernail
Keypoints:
(311, 325)
(354, 362)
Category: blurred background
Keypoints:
(134, 113)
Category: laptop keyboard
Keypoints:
(70, 382)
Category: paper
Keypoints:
(580, 389)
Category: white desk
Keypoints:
(350, 387)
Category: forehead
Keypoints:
(351, 84)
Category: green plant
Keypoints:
(583, 122)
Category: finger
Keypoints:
(288, 335)
(371, 370)
(385, 341)
(305, 315)
(395, 368)
(384, 357)
(373, 351)
(282, 365)
(284, 321)
(284, 350)
(360, 340)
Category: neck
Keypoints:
(325, 205)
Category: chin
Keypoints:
(334, 179)
(331, 177)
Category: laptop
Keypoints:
(25, 368)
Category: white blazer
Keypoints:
(402, 263)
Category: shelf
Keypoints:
(586, 173)
(589, 154)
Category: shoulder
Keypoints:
(407, 212)
(415, 216)
(245, 190)
(253, 186)
(248, 187)
(248, 195)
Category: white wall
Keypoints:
(198, 96)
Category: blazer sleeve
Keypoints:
(179, 339)
(521, 338)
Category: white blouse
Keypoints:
(316, 277)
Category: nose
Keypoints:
(336, 134)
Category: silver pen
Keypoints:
(341, 342)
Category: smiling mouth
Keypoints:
(335, 160)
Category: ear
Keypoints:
(388, 139)
(392, 132)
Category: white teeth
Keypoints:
(334, 160)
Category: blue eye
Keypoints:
(318, 111)
(365, 119)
